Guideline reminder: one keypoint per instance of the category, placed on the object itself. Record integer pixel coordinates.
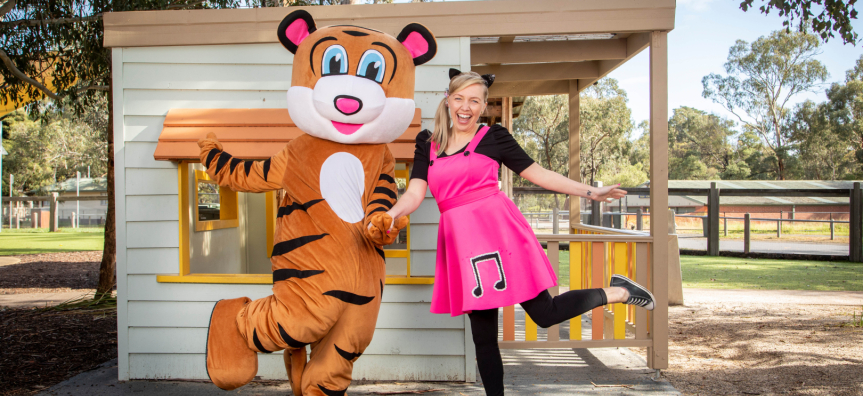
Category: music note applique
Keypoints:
(501, 283)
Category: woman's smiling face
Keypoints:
(466, 106)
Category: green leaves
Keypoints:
(834, 17)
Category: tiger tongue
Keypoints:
(346, 129)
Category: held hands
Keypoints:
(606, 194)
(210, 142)
(382, 230)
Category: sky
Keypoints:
(704, 31)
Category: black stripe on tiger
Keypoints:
(248, 166)
(349, 297)
(288, 273)
(266, 168)
(289, 245)
(290, 340)
(347, 355)
(385, 202)
(386, 177)
(332, 392)
(234, 163)
(212, 154)
(378, 209)
(381, 252)
(258, 342)
(386, 191)
(222, 161)
(286, 210)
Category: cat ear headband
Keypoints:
(488, 78)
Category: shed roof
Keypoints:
(95, 184)
(766, 200)
(247, 133)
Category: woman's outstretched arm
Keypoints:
(556, 182)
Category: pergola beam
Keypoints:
(541, 72)
(529, 88)
(635, 43)
(548, 51)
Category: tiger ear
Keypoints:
(295, 28)
(419, 41)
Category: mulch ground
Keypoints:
(40, 348)
(51, 273)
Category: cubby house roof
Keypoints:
(247, 133)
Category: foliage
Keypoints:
(698, 146)
(835, 16)
(606, 127)
(762, 78)
(542, 129)
(52, 149)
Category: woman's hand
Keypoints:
(607, 193)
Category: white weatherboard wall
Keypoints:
(163, 326)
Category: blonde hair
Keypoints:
(442, 131)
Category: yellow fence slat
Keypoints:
(529, 328)
(619, 263)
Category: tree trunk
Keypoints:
(107, 270)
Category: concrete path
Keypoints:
(4, 260)
(697, 243)
(27, 300)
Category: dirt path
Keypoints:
(727, 342)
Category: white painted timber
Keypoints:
(156, 234)
(153, 261)
(140, 155)
(424, 236)
(272, 367)
(151, 181)
(120, 216)
(143, 128)
(152, 208)
(384, 341)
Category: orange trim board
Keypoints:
(267, 279)
(247, 133)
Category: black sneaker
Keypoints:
(638, 295)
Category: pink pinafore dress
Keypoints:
(487, 254)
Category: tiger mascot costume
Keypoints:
(351, 92)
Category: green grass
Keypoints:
(16, 242)
(760, 274)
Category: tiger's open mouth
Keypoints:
(346, 129)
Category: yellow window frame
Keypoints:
(228, 206)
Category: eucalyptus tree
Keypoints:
(762, 79)
(606, 126)
(824, 17)
(542, 128)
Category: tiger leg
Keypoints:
(328, 372)
(230, 364)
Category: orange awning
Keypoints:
(247, 133)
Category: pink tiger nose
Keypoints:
(348, 105)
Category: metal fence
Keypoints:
(53, 212)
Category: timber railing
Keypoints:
(596, 253)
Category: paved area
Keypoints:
(26, 300)
(547, 372)
(835, 249)
(9, 260)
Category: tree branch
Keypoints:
(55, 21)
(24, 77)
(8, 6)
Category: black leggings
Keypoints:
(543, 309)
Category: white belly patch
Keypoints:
(342, 185)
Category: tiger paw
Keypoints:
(210, 142)
(382, 231)
(230, 362)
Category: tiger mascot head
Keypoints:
(352, 84)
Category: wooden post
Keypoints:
(639, 219)
(855, 223)
(832, 228)
(746, 231)
(713, 221)
(555, 224)
(574, 151)
(596, 209)
(52, 222)
(506, 122)
(779, 226)
(725, 224)
(657, 356)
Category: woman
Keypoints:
(487, 255)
